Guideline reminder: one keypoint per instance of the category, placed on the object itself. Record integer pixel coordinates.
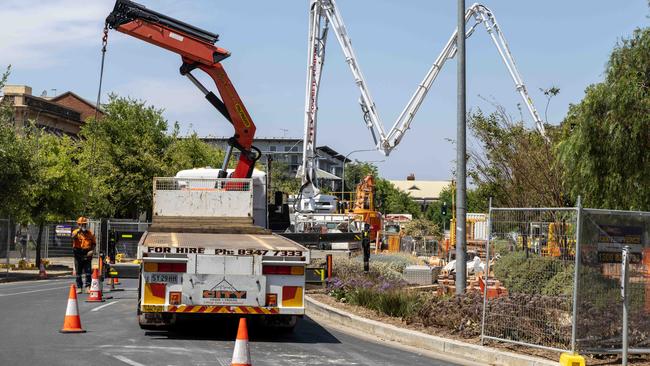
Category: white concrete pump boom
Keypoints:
(324, 13)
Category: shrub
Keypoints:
(460, 314)
(397, 302)
(385, 266)
(533, 275)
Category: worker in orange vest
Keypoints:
(83, 248)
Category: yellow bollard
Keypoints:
(568, 359)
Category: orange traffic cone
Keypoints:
(42, 274)
(95, 291)
(241, 356)
(72, 322)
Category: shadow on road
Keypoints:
(306, 331)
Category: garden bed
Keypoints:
(382, 295)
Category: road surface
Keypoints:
(32, 314)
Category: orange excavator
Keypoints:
(197, 50)
(364, 205)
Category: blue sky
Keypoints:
(54, 44)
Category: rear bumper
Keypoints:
(221, 309)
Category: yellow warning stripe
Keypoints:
(218, 309)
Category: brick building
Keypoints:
(60, 115)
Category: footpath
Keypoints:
(57, 267)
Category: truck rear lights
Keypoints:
(283, 270)
(271, 299)
(175, 298)
(165, 267)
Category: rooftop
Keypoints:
(422, 189)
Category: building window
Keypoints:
(272, 148)
(294, 159)
(287, 148)
(294, 149)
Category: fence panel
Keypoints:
(532, 254)
(420, 247)
(57, 237)
(599, 311)
(125, 235)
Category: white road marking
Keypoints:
(127, 360)
(36, 283)
(29, 292)
(105, 305)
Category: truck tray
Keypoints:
(221, 241)
(208, 225)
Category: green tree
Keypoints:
(16, 164)
(191, 152)
(606, 137)
(476, 202)
(58, 184)
(282, 180)
(122, 152)
(421, 228)
(513, 164)
(389, 199)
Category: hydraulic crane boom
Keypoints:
(197, 50)
(324, 13)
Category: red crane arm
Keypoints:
(197, 50)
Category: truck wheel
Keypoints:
(156, 321)
(281, 323)
(290, 324)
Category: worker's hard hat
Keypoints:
(82, 220)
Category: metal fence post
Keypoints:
(576, 273)
(625, 277)
(486, 275)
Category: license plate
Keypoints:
(152, 308)
(162, 278)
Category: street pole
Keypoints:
(461, 239)
(625, 281)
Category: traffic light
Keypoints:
(443, 210)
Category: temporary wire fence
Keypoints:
(532, 252)
(599, 304)
(123, 237)
(561, 268)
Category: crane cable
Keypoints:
(97, 103)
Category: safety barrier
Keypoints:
(562, 268)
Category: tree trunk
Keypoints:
(38, 244)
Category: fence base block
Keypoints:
(568, 359)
